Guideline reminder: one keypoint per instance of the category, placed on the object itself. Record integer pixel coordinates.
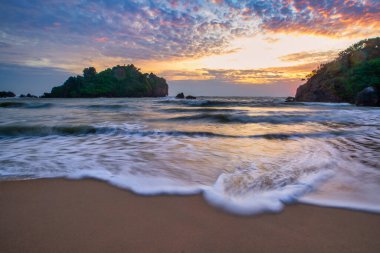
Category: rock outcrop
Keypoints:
(341, 80)
(7, 94)
(290, 99)
(368, 97)
(28, 96)
(180, 96)
(318, 89)
(120, 81)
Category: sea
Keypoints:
(243, 155)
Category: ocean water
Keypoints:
(244, 155)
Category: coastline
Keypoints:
(59, 215)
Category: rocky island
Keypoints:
(353, 77)
(119, 81)
(7, 94)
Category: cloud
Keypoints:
(4, 45)
(244, 76)
(132, 29)
(102, 39)
(219, 88)
(175, 75)
(249, 76)
(310, 56)
(72, 33)
(271, 40)
(331, 17)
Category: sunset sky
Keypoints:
(215, 47)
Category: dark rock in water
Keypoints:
(190, 97)
(31, 96)
(7, 94)
(28, 96)
(368, 97)
(290, 99)
(180, 95)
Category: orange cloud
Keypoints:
(243, 76)
(102, 39)
(310, 56)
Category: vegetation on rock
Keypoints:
(340, 80)
(119, 81)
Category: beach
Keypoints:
(189, 126)
(59, 215)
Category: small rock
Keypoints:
(190, 97)
(28, 96)
(290, 99)
(180, 95)
(367, 97)
(7, 94)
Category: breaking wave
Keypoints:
(40, 131)
(271, 119)
(25, 105)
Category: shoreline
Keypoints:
(59, 215)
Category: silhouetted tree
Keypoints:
(89, 72)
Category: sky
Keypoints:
(201, 47)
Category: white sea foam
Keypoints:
(267, 198)
(326, 155)
(144, 185)
(249, 204)
(338, 203)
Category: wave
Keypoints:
(224, 102)
(174, 149)
(17, 131)
(187, 110)
(40, 131)
(245, 193)
(105, 107)
(344, 118)
(321, 104)
(251, 102)
(270, 198)
(11, 104)
(25, 105)
(231, 118)
(278, 136)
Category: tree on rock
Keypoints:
(89, 73)
(119, 81)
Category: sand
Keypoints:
(57, 215)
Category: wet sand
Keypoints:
(58, 215)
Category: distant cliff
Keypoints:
(340, 80)
(120, 81)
